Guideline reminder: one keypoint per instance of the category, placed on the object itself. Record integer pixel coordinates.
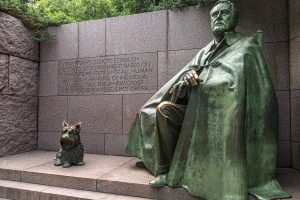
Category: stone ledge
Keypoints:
(25, 191)
(106, 174)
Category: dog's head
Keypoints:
(70, 135)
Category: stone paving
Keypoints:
(109, 176)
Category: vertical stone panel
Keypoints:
(63, 45)
(18, 114)
(92, 142)
(189, 28)
(177, 60)
(295, 63)
(92, 38)
(284, 156)
(98, 114)
(23, 76)
(18, 124)
(131, 105)
(52, 112)
(136, 33)
(277, 58)
(3, 73)
(49, 141)
(295, 115)
(162, 75)
(114, 144)
(294, 12)
(48, 78)
(283, 98)
(295, 155)
(271, 18)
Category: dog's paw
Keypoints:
(58, 162)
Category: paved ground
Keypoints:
(108, 174)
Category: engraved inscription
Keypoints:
(114, 74)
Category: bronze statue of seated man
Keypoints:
(212, 128)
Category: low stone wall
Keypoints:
(101, 72)
(294, 11)
(19, 56)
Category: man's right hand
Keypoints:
(189, 78)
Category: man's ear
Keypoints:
(78, 126)
(64, 124)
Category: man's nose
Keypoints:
(219, 15)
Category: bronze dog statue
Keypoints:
(71, 152)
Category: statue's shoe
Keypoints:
(159, 181)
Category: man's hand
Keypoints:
(190, 78)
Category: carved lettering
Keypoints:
(115, 74)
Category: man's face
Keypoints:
(221, 17)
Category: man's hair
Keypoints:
(233, 8)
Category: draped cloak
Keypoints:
(228, 141)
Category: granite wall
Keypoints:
(294, 41)
(149, 49)
(19, 56)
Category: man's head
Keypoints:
(224, 17)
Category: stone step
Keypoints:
(101, 173)
(28, 191)
(105, 174)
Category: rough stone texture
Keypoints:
(98, 114)
(283, 98)
(284, 158)
(295, 63)
(145, 32)
(277, 58)
(15, 143)
(52, 112)
(295, 155)
(18, 115)
(10, 174)
(4, 59)
(295, 115)
(189, 28)
(294, 19)
(92, 38)
(63, 46)
(48, 78)
(16, 39)
(49, 141)
(131, 105)
(23, 76)
(272, 18)
(114, 144)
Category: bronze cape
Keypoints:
(228, 142)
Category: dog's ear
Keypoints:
(64, 124)
(78, 126)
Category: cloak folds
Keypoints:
(227, 143)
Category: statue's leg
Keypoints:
(169, 120)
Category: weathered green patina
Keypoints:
(227, 142)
